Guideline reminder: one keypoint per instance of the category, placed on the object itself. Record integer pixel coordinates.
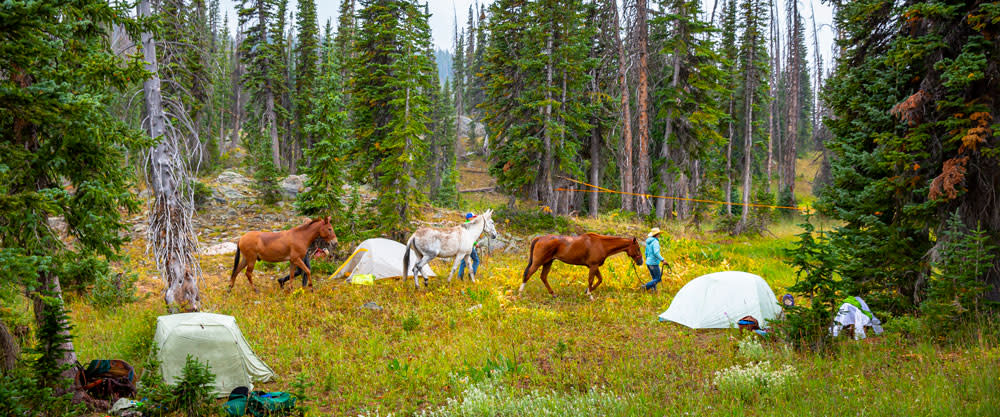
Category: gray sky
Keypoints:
(443, 19)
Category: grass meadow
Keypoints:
(476, 349)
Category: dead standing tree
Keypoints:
(170, 234)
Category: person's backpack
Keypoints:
(109, 379)
(748, 323)
(259, 403)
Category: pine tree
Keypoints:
(914, 107)
(392, 77)
(262, 77)
(537, 75)
(753, 72)
(689, 104)
(327, 122)
(444, 178)
(306, 58)
(62, 153)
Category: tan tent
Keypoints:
(382, 258)
(214, 339)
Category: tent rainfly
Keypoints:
(719, 300)
(213, 339)
(382, 258)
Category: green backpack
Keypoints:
(259, 403)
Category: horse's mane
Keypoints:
(307, 224)
(606, 237)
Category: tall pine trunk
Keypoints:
(546, 192)
(170, 233)
(643, 101)
(794, 70)
(663, 206)
(626, 166)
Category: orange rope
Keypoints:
(605, 190)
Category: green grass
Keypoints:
(433, 351)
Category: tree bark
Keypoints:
(547, 133)
(729, 159)
(663, 206)
(643, 102)
(170, 234)
(9, 350)
(626, 168)
(794, 81)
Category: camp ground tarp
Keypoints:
(213, 339)
(382, 258)
(719, 300)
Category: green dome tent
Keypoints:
(213, 339)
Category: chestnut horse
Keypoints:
(589, 249)
(289, 245)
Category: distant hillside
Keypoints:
(443, 58)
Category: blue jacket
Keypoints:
(653, 256)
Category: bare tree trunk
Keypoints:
(663, 208)
(749, 88)
(9, 350)
(794, 69)
(170, 233)
(237, 91)
(643, 101)
(772, 122)
(729, 159)
(547, 134)
(626, 168)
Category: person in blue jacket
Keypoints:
(653, 258)
(473, 255)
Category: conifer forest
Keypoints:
(843, 153)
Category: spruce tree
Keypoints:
(392, 77)
(62, 153)
(327, 122)
(913, 102)
(689, 104)
(306, 58)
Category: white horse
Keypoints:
(428, 243)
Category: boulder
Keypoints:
(224, 193)
(58, 225)
(292, 185)
(224, 248)
(230, 177)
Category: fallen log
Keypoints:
(478, 190)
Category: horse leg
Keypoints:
(298, 262)
(236, 273)
(251, 260)
(600, 278)
(528, 272)
(468, 262)
(545, 277)
(418, 270)
(590, 281)
(454, 267)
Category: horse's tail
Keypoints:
(236, 261)
(406, 258)
(531, 257)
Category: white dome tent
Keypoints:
(214, 339)
(382, 258)
(719, 300)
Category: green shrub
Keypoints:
(531, 221)
(411, 322)
(956, 287)
(754, 380)
(202, 194)
(815, 260)
(113, 289)
(492, 398)
(750, 348)
(191, 395)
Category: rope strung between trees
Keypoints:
(605, 190)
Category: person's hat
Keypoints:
(653, 232)
(469, 216)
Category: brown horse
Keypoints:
(289, 245)
(589, 249)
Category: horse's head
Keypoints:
(490, 227)
(634, 252)
(326, 230)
